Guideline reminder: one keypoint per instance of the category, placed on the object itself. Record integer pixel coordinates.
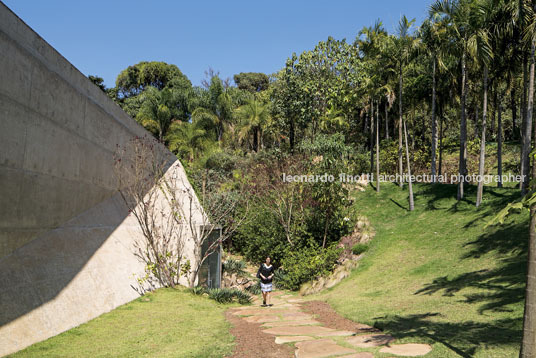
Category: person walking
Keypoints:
(265, 273)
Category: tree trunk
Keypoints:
(371, 136)
(499, 144)
(386, 121)
(528, 125)
(378, 146)
(524, 150)
(514, 111)
(480, 187)
(463, 134)
(400, 165)
(410, 187)
(291, 135)
(256, 139)
(440, 169)
(528, 344)
(476, 119)
(434, 123)
(494, 108)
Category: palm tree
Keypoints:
(252, 118)
(481, 51)
(158, 111)
(405, 45)
(215, 109)
(433, 34)
(456, 15)
(188, 140)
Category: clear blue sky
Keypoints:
(103, 37)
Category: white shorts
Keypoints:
(266, 287)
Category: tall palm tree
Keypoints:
(480, 49)
(252, 118)
(433, 33)
(456, 15)
(405, 44)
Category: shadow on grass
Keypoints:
(499, 289)
(461, 338)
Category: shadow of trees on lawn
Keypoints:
(461, 338)
(493, 290)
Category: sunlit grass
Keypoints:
(166, 323)
(436, 275)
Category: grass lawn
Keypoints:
(436, 275)
(166, 323)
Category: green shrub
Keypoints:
(359, 248)
(254, 289)
(228, 295)
(232, 266)
(306, 264)
(279, 277)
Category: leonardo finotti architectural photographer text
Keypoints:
(420, 178)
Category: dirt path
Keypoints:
(293, 327)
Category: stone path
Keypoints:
(289, 324)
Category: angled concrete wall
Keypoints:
(66, 241)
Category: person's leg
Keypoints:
(268, 298)
(263, 298)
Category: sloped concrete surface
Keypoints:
(66, 240)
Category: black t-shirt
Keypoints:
(266, 272)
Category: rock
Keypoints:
(291, 323)
(320, 348)
(261, 319)
(318, 331)
(407, 350)
(370, 340)
(290, 339)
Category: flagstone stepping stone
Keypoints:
(407, 350)
(296, 316)
(290, 339)
(320, 348)
(290, 323)
(306, 331)
(365, 328)
(261, 319)
(370, 340)
(263, 311)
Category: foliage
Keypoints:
(359, 248)
(232, 266)
(136, 78)
(307, 263)
(223, 295)
(252, 81)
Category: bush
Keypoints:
(223, 295)
(359, 248)
(254, 289)
(232, 266)
(306, 264)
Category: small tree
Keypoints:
(155, 188)
(140, 168)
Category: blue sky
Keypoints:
(103, 37)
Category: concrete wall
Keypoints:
(66, 241)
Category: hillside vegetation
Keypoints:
(436, 275)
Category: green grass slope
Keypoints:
(166, 323)
(436, 275)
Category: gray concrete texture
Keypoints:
(66, 240)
